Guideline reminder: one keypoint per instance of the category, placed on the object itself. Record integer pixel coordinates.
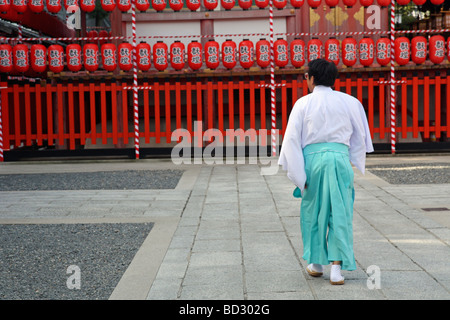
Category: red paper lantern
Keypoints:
(349, 51)
(229, 54)
(194, 55)
(263, 53)
(38, 57)
(176, 5)
(384, 3)
(297, 53)
(297, 3)
(143, 5)
(108, 5)
(103, 34)
(227, 4)
(4, 6)
(19, 6)
(366, 51)
(177, 55)
(212, 52)
(448, 49)
(332, 3)
(403, 2)
(314, 3)
(366, 3)
(210, 4)
(245, 4)
(54, 6)
(419, 49)
(90, 53)
(281, 50)
(143, 56)
(193, 5)
(109, 56)
(125, 56)
(70, 3)
(419, 2)
(314, 49)
(36, 6)
(437, 49)
(87, 5)
(349, 3)
(92, 34)
(55, 58)
(6, 58)
(73, 57)
(160, 54)
(383, 51)
(246, 54)
(159, 5)
(262, 3)
(401, 49)
(437, 2)
(332, 50)
(20, 58)
(124, 5)
(279, 4)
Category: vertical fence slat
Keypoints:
(71, 117)
(189, 106)
(415, 98)
(93, 117)
(404, 107)
(382, 106)
(48, 90)
(146, 114)
(27, 115)
(199, 102)
(17, 113)
(167, 107)
(210, 105)
(125, 113)
(60, 108)
(157, 113)
(103, 118)
(370, 107)
(230, 104)
(82, 114)
(241, 105)
(426, 107)
(115, 128)
(5, 114)
(178, 103)
(359, 89)
(220, 105)
(437, 110)
(39, 138)
(283, 107)
(262, 99)
(252, 103)
(448, 106)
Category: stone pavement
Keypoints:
(228, 232)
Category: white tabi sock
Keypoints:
(335, 274)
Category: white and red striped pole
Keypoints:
(393, 84)
(272, 84)
(135, 83)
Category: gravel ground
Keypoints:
(104, 180)
(34, 259)
(418, 173)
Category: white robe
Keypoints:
(324, 115)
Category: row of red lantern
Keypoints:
(54, 6)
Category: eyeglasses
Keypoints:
(306, 76)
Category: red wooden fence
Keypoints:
(69, 115)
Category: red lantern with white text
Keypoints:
(298, 53)
(403, 2)
(448, 49)
(4, 6)
(210, 4)
(73, 57)
(229, 54)
(35, 6)
(90, 53)
(108, 5)
(212, 52)
(143, 56)
(6, 58)
(332, 50)
(279, 4)
(437, 2)
(401, 49)
(159, 5)
(331, 3)
(246, 53)
(109, 56)
(54, 6)
(384, 3)
(314, 49)
(262, 3)
(176, 5)
(193, 5)
(281, 50)
(20, 58)
(177, 55)
(19, 6)
(349, 51)
(349, 3)
(314, 3)
(70, 3)
(366, 51)
(124, 5)
(142, 5)
(160, 54)
(383, 51)
(419, 49)
(55, 58)
(297, 3)
(38, 57)
(87, 5)
(263, 53)
(227, 4)
(194, 54)
(125, 56)
(419, 2)
(245, 4)
(437, 49)
(366, 3)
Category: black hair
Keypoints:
(324, 72)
